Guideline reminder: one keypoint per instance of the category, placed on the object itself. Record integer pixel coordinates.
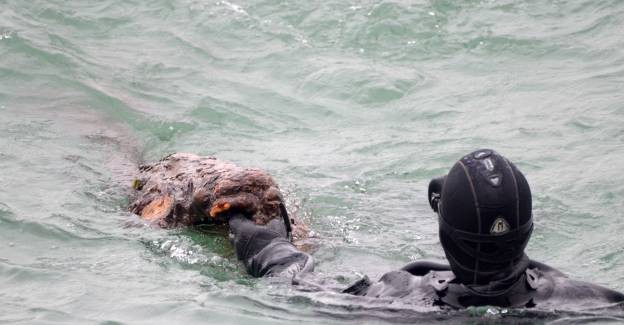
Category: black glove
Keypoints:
(435, 191)
(266, 250)
(248, 238)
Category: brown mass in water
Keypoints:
(184, 189)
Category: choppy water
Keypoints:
(352, 105)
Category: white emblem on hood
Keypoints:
(499, 227)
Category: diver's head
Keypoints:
(484, 209)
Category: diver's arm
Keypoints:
(265, 250)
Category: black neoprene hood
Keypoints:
(484, 209)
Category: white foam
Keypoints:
(233, 7)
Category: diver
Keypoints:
(485, 221)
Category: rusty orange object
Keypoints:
(184, 189)
(157, 209)
(218, 208)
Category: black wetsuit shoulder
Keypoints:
(539, 286)
(555, 290)
(417, 281)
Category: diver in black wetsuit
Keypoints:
(485, 219)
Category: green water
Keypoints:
(352, 106)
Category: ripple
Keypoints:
(361, 84)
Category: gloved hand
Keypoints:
(248, 238)
(266, 249)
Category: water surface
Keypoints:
(352, 106)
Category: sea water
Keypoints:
(352, 106)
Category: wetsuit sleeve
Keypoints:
(265, 250)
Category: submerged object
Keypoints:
(185, 189)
